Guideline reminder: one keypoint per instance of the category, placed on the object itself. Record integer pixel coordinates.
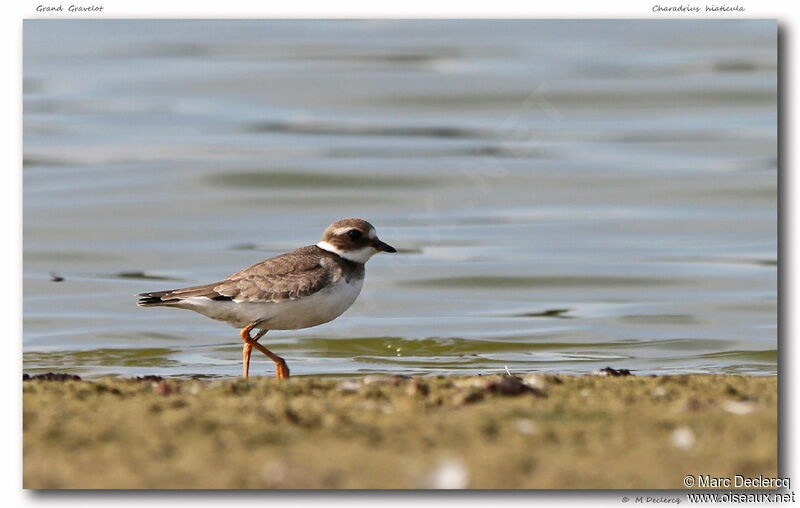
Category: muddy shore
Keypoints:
(535, 431)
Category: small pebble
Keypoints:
(536, 381)
(450, 474)
(739, 407)
(417, 388)
(463, 398)
(392, 380)
(526, 426)
(506, 385)
(659, 391)
(608, 371)
(274, 471)
(162, 388)
(348, 385)
(683, 438)
(512, 385)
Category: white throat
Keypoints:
(358, 256)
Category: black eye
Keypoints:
(354, 234)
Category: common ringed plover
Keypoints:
(299, 289)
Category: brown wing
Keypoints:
(256, 286)
(289, 276)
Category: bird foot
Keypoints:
(281, 370)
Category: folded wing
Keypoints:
(290, 276)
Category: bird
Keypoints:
(302, 288)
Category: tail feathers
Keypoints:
(153, 299)
(173, 296)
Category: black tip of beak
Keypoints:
(384, 247)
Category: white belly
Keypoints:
(321, 307)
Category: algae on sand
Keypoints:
(550, 432)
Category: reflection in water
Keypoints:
(144, 357)
(615, 180)
(549, 313)
(345, 129)
(143, 276)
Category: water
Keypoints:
(565, 195)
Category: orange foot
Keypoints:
(281, 369)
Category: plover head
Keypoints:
(353, 239)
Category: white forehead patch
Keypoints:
(342, 230)
(372, 234)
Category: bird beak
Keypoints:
(383, 247)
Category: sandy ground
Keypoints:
(531, 431)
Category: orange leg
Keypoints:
(246, 350)
(281, 370)
(246, 360)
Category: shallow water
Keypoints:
(565, 195)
